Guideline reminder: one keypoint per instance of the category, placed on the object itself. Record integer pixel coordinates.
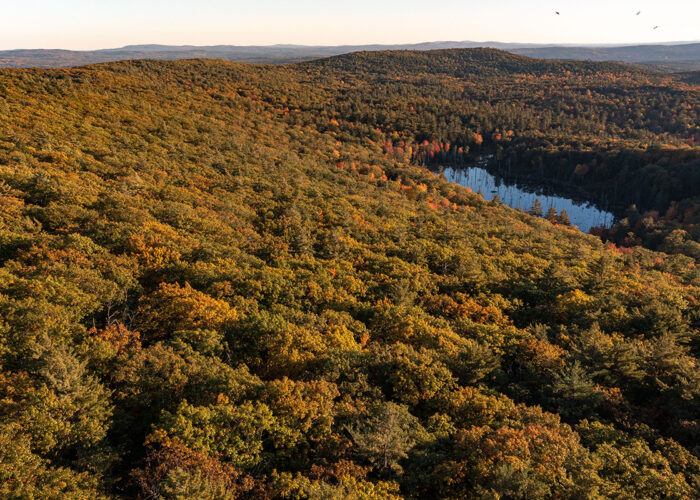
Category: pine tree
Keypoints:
(552, 215)
(387, 436)
(574, 393)
(536, 209)
(564, 218)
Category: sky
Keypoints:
(96, 24)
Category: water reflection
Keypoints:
(584, 215)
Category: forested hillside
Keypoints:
(627, 138)
(231, 281)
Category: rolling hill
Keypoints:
(682, 57)
(224, 280)
(669, 57)
(275, 54)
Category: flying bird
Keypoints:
(558, 13)
(656, 27)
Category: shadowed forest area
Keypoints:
(221, 280)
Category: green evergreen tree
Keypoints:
(387, 436)
(564, 218)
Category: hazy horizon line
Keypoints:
(291, 45)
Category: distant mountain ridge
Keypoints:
(675, 57)
(681, 56)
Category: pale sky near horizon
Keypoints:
(84, 24)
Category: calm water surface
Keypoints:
(583, 215)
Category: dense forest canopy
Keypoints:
(628, 138)
(221, 280)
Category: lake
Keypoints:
(582, 214)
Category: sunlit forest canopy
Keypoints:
(221, 280)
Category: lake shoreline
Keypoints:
(522, 193)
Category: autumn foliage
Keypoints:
(232, 281)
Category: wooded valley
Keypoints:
(221, 280)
